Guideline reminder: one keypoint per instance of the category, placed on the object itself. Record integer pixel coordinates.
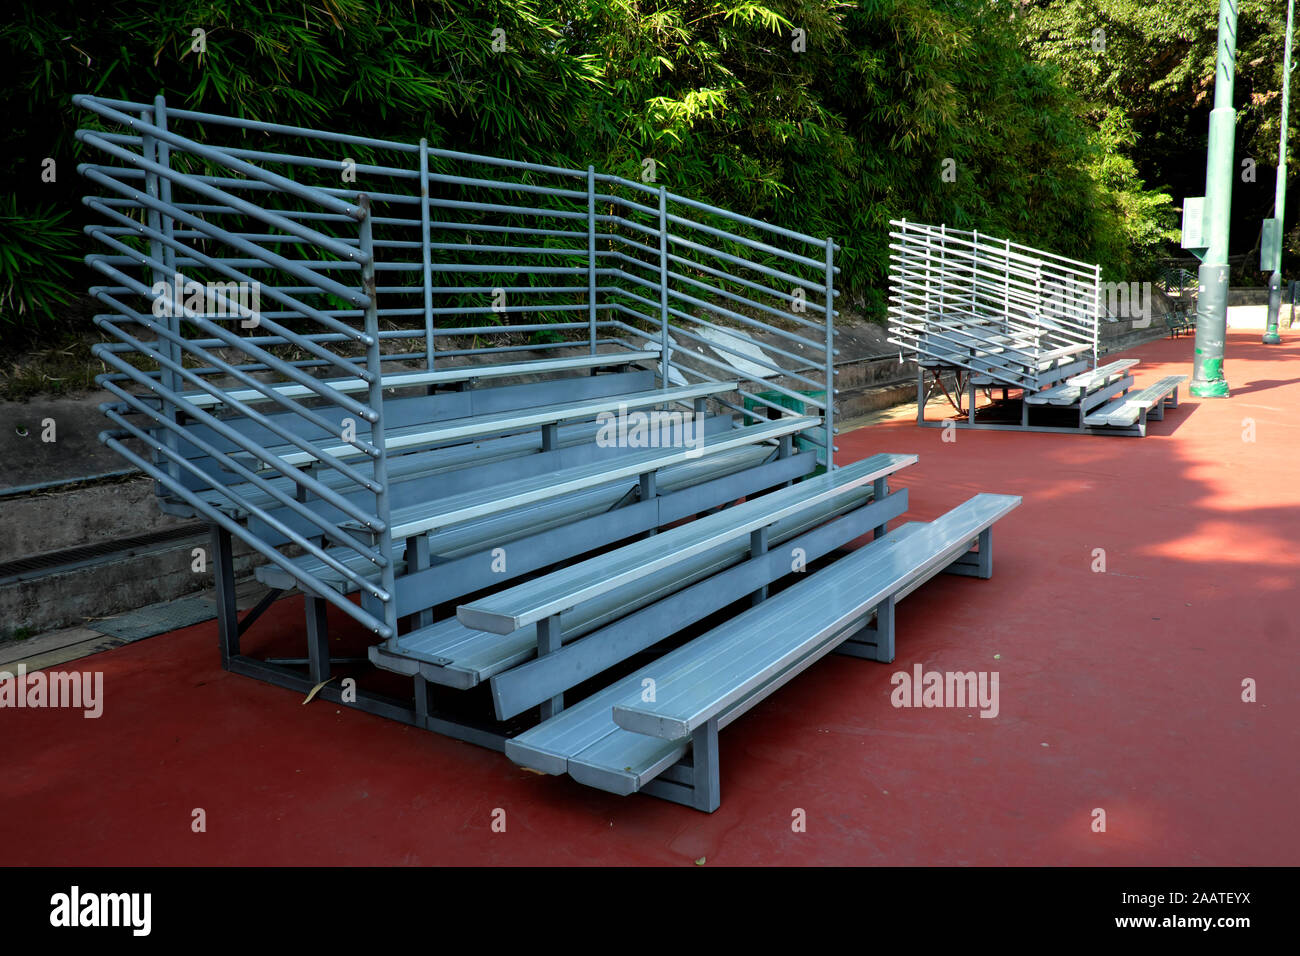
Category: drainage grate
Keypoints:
(158, 618)
(42, 565)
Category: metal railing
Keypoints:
(950, 289)
(304, 268)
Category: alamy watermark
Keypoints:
(963, 690)
(216, 300)
(73, 690)
(77, 909)
(1071, 298)
(652, 429)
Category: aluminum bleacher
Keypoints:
(977, 312)
(386, 438)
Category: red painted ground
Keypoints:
(1118, 690)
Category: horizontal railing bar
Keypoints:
(460, 269)
(183, 404)
(138, 288)
(750, 243)
(651, 211)
(755, 323)
(758, 223)
(719, 346)
(313, 264)
(254, 185)
(318, 162)
(507, 210)
(717, 273)
(303, 131)
(271, 291)
(731, 370)
(507, 185)
(724, 276)
(273, 237)
(195, 184)
(760, 306)
(909, 289)
(766, 346)
(215, 516)
(934, 231)
(230, 434)
(746, 263)
(482, 227)
(175, 140)
(508, 163)
(322, 282)
(704, 207)
(328, 528)
(264, 388)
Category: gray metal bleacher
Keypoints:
(387, 443)
(981, 313)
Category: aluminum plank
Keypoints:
(478, 426)
(527, 603)
(482, 654)
(1127, 409)
(437, 377)
(702, 679)
(455, 509)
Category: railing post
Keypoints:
(426, 253)
(163, 158)
(665, 353)
(375, 399)
(829, 416)
(158, 187)
(1096, 312)
(1039, 306)
(943, 266)
(1006, 289)
(591, 255)
(974, 267)
(928, 250)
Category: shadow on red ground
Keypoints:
(1119, 690)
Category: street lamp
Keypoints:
(1212, 305)
(1279, 202)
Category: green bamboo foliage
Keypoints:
(823, 116)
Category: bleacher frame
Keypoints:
(988, 313)
(399, 276)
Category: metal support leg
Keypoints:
(920, 395)
(758, 547)
(421, 699)
(876, 642)
(694, 781)
(223, 565)
(976, 564)
(548, 641)
(647, 490)
(971, 401)
(879, 490)
(417, 559)
(707, 780)
(318, 646)
(550, 436)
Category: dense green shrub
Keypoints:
(823, 116)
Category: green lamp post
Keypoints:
(1279, 203)
(1212, 303)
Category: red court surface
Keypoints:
(1119, 690)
